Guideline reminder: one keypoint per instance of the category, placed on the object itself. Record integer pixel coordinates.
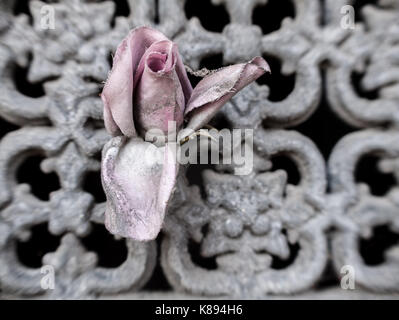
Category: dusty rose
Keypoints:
(147, 87)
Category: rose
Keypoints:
(146, 88)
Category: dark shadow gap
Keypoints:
(269, 16)
(284, 162)
(110, 60)
(211, 62)
(213, 18)
(22, 7)
(358, 5)
(367, 172)
(111, 253)
(194, 173)
(158, 281)
(372, 250)
(92, 184)
(122, 9)
(24, 86)
(360, 91)
(324, 127)
(278, 263)
(220, 122)
(156, 12)
(6, 127)
(329, 277)
(323, 18)
(31, 252)
(42, 184)
(92, 124)
(280, 85)
(194, 248)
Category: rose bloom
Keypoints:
(146, 89)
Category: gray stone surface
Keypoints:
(241, 222)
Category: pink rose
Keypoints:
(148, 87)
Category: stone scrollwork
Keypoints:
(248, 221)
(360, 211)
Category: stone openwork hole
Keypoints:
(323, 15)
(210, 62)
(6, 127)
(193, 79)
(270, 15)
(22, 7)
(41, 184)
(279, 263)
(357, 78)
(92, 184)
(373, 250)
(110, 58)
(213, 18)
(156, 11)
(220, 122)
(91, 125)
(324, 128)
(280, 85)
(122, 9)
(158, 281)
(111, 253)
(329, 277)
(194, 174)
(23, 85)
(30, 252)
(358, 5)
(284, 162)
(194, 248)
(367, 172)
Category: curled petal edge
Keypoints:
(216, 89)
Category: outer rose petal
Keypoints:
(117, 94)
(159, 97)
(171, 47)
(138, 179)
(215, 90)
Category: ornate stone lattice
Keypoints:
(264, 234)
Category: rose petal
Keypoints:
(159, 97)
(117, 94)
(109, 121)
(138, 179)
(163, 50)
(215, 90)
(177, 63)
(157, 61)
